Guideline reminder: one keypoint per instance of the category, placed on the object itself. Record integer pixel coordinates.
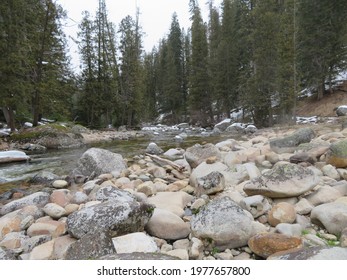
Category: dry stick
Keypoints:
(163, 161)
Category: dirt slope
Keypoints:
(325, 107)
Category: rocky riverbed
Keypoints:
(279, 194)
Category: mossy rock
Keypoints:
(289, 143)
(52, 136)
(28, 134)
(337, 154)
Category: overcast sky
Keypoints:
(155, 16)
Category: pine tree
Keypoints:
(214, 63)
(171, 93)
(86, 111)
(321, 42)
(107, 68)
(230, 56)
(99, 99)
(150, 82)
(34, 65)
(200, 100)
(131, 68)
(261, 82)
(286, 73)
(14, 64)
(49, 61)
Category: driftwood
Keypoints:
(163, 162)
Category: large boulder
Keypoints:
(61, 140)
(113, 217)
(289, 143)
(199, 153)
(96, 161)
(284, 180)
(337, 154)
(223, 223)
(333, 216)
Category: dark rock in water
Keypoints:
(44, 177)
(289, 143)
(138, 256)
(33, 147)
(153, 149)
(312, 253)
(91, 247)
(95, 162)
(111, 216)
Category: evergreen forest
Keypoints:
(250, 56)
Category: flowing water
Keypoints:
(61, 162)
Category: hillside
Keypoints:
(323, 108)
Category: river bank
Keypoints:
(279, 193)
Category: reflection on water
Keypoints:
(61, 162)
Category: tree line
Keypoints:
(250, 55)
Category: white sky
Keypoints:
(155, 17)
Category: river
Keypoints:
(62, 161)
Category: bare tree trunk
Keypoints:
(321, 90)
(9, 116)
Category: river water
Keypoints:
(63, 161)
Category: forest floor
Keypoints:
(310, 106)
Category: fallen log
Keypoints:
(163, 162)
